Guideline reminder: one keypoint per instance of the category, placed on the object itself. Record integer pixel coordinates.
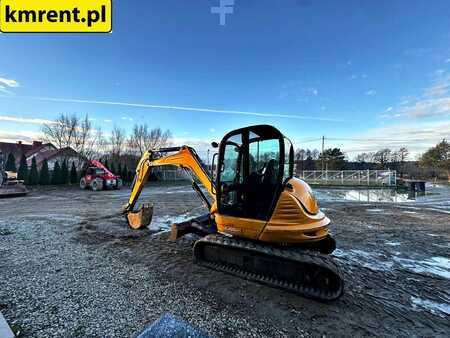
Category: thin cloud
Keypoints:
(107, 120)
(439, 89)
(17, 119)
(4, 90)
(428, 108)
(193, 109)
(9, 82)
(22, 135)
(433, 102)
(371, 92)
(417, 138)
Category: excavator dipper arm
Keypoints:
(183, 157)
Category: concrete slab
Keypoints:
(5, 330)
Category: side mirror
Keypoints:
(214, 144)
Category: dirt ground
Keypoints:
(69, 267)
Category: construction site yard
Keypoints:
(70, 267)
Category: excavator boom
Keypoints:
(183, 157)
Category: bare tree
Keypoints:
(71, 131)
(382, 157)
(300, 157)
(315, 154)
(143, 139)
(362, 158)
(61, 131)
(117, 140)
(403, 154)
(83, 137)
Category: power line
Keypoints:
(372, 139)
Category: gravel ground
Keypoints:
(70, 267)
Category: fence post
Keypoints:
(342, 177)
(368, 177)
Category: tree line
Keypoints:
(117, 151)
(61, 174)
(91, 142)
(431, 163)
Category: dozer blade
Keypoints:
(140, 218)
(13, 189)
(307, 273)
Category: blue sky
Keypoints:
(366, 74)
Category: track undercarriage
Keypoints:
(308, 271)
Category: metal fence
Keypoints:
(171, 175)
(350, 177)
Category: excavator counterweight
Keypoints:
(262, 223)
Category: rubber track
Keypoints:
(319, 260)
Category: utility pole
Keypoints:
(323, 149)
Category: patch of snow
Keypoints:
(439, 266)
(443, 246)
(393, 243)
(409, 212)
(166, 221)
(371, 260)
(180, 191)
(374, 210)
(439, 210)
(409, 207)
(433, 307)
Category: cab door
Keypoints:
(250, 172)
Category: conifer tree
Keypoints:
(124, 173)
(106, 164)
(64, 173)
(130, 176)
(73, 174)
(113, 168)
(119, 170)
(56, 175)
(33, 176)
(44, 176)
(10, 164)
(23, 169)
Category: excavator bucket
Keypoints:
(142, 217)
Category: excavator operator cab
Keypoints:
(253, 165)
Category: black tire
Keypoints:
(97, 185)
(119, 184)
(83, 184)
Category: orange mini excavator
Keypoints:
(263, 223)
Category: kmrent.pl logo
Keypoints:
(55, 16)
